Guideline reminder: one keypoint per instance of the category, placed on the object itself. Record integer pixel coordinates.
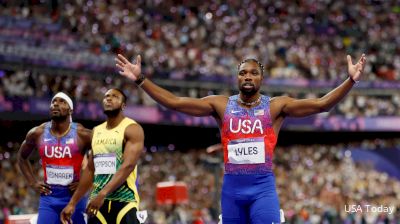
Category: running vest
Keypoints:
(248, 138)
(61, 158)
(108, 149)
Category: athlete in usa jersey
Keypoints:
(248, 142)
(249, 123)
(62, 145)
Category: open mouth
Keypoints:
(248, 85)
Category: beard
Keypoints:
(248, 91)
(112, 113)
(59, 118)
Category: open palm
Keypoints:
(355, 71)
(128, 69)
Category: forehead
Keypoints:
(250, 65)
(112, 92)
(58, 99)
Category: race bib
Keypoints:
(105, 163)
(60, 175)
(246, 151)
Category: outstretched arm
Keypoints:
(191, 106)
(304, 107)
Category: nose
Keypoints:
(247, 77)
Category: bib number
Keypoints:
(105, 164)
(246, 151)
(60, 175)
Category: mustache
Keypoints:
(247, 83)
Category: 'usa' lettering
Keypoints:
(57, 152)
(246, 126)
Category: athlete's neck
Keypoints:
(60, 128)
(249, 101)
(114, 121)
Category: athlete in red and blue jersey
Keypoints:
(249, 123)
(62, 145)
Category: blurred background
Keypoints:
(323, 163)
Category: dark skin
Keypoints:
(134, 142)
(249, 80)
(60, 122)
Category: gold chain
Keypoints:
(63, 134)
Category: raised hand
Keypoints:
(355, 71)
(130, 70)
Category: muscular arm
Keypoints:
(85, 139)
(84, 143)
(26, 149)
(192, 106)
(300, 108)
(304, 107)
(134, 137)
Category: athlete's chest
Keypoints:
(243, 121)
(51, 147)
(108, 140)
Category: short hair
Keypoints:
(124, 97)
(252, 60)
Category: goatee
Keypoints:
(248, 92)
(111, 113)
(59, 118)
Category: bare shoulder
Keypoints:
(84, 132)
(34, 134)
(277, 104)
(134, 131)
(280, 101)
(218, 102)
(37, 131)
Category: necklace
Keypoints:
(63, 134)
(250, 103)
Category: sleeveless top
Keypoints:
(108, 150)
(61, 157)
(248, 138)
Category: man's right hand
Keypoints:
(41, 188)
(130, 70)
(66, 214)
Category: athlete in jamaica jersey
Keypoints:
(62, 145)
(116, 147)
(249, 125)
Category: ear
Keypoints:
(123, 106)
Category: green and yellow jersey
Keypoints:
(108, 150)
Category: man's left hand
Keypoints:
(355, 71)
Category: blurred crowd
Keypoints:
(27, 84)
(180, 39)
(314, 183)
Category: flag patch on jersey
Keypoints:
(70, 141)
(258, 112)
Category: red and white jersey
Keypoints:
(61, 157)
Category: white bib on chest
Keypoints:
(246, 151)
(105, 163)
(60, 175)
